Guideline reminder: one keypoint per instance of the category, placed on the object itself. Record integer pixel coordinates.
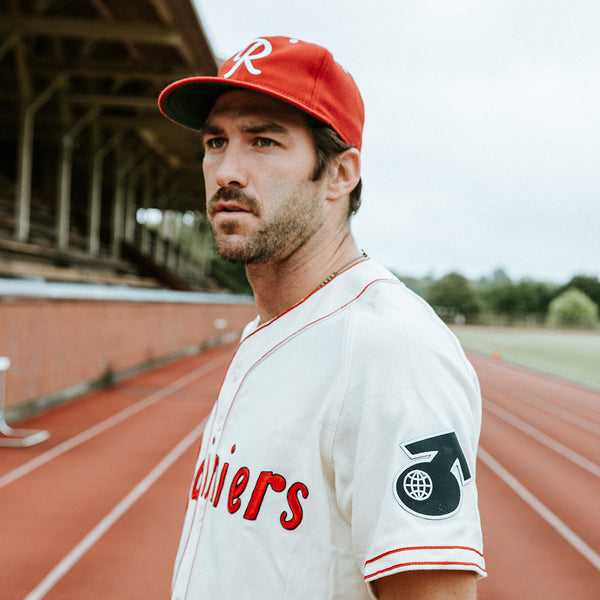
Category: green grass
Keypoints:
(573, 355)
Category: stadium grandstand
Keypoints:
(105, 253)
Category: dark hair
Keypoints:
(328, 145)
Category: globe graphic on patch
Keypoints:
(418, 485)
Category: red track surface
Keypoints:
(96, 511)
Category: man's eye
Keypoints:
(215, 143)
(265, 142)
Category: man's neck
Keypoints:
(280, 285)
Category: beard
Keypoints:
(294, 222)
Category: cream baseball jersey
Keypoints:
(341, 449)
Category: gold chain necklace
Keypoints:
(328, 279)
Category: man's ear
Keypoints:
(344, 174)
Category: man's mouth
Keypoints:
(228, 207)
(232, 201)
(232, 209)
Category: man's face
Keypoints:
(262, 204)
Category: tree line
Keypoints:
(495, 300)
(499, 300)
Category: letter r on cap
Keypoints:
(245, 57)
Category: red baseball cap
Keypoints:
(302, 74)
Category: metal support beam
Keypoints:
(107, 15)
(95, 210)
(9, 42)
(23, 74)
(147, 196)
(113, 100)
(25, 158)
(150, 138)
(118, 212)
(119, 203)
(92, 29)
(105, 71)
(162, 181)
(63, 214)
(130, 206)
(64, 193)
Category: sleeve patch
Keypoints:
(431, 486)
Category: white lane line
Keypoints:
(551, 408)
(115, 419)
(588, 387)
(69, 561)
(536, 434)
(559, 526)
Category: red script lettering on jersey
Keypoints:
(210, 483)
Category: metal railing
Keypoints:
(15, 438)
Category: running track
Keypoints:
(96, 511)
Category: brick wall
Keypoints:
(59, 348)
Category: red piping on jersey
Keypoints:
(283, 341)
(272, 349)
(298, 304)
(333, 312)
(339, 308)
(424, 548)
(424, 563)
(307, 297)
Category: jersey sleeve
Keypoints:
(405, 445)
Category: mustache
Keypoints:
(247, 202)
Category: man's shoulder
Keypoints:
(389, 316)
(387, 302)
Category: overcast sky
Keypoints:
(482, 136)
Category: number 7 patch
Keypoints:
(431, 485)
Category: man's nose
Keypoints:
(231, 171)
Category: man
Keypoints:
(339, 459)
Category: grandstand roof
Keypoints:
(78, 61)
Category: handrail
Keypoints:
(24, 288)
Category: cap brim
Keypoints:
(188, 102)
